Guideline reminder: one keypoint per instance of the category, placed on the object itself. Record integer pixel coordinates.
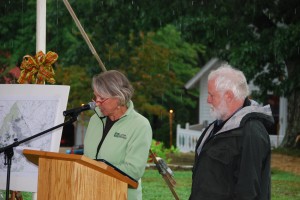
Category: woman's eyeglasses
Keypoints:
(99, 99)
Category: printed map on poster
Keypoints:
(21, 119)
(26, 110)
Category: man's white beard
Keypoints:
(219, 112)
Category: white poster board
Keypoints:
(26, 110)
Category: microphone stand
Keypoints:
(9, 152)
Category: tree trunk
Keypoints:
(293, 96)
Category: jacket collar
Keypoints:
(250, 106)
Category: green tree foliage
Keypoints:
(135, 36)
(156, 59)
(17, 31)
(80, 84)
(261, 38)
(158, 65)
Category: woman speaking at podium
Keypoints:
(116, 132)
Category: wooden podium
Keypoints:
(77, 177)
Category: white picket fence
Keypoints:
(186, 139)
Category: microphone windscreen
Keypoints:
(92, 105)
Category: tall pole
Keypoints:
(41, 25)
(40, 37)
(171, 128)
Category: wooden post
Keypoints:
(171, 127)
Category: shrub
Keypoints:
(159, 150)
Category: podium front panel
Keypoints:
(62, 179)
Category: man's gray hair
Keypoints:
(113, 83)
(228, 78)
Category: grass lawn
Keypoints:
(155, 187)
(285, 186)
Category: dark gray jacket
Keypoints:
(234, 164)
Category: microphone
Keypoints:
(89, 106)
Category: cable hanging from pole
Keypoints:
(84, 35)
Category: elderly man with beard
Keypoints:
(232, 156)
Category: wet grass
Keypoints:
(285, 186)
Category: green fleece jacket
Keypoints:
(126, 145)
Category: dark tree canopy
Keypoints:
(162, 44)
